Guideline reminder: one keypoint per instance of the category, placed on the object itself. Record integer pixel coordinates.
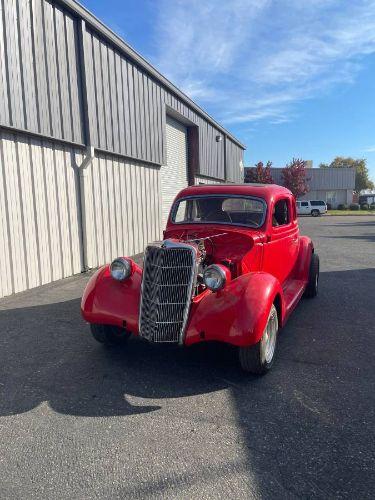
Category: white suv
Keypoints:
(314, 208)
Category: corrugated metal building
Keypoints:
(94, 144)
(332, 185)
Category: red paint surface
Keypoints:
(269, 264)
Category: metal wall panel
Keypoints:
(234, 162)
(127, 112)
(122, 208)
(44, 90)
(211, 152)
(40, 89)
(40, 220)
(124, 105)
(323, 178)
(39, 70)
(40, 233)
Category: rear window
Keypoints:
(317, 203)
(236, 210)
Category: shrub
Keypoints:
(329, 206)
(372, 206)
(342, 206)
(354, 206)
(364, 206)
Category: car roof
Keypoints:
(265, 191)
(316, 201)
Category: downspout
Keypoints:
(89, 153)
(83, 173)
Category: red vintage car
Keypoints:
(231, 268)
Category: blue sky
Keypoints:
(287, 77)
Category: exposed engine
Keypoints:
(205, 258)
(202, 264)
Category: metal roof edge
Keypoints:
(78, 9)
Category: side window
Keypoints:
(280, 215)
(305, 203)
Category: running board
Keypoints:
(293, 291)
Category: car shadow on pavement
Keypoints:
(307, 426)
(47, 354)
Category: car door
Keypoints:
(281, 247)
(305, 208)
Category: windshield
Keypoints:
(224, 209)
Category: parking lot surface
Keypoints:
(78, 420)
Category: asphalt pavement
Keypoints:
(78, 420)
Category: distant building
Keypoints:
(332, 185)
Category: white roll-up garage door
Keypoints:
(174, 175)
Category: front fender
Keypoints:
(111, 302)
(238, 314)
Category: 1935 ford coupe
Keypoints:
(231, 268)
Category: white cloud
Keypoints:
(370, 149)
(251, 60)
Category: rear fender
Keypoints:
(111, 302)
(302, 267)
(238, 314)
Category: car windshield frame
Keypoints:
(219, 195)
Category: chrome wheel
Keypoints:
(258, 358)
(268, 341)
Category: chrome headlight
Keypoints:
(121, 269)
(214, 277)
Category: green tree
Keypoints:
(362, 180)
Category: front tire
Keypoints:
(258, 358)
(109, 334)
(313, 283)
(315, 213)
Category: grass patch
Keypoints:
(351, 212)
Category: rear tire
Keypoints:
(109, 334)
(258, 358)
(315, 213)
(313, 284)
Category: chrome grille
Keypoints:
(167, 284)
